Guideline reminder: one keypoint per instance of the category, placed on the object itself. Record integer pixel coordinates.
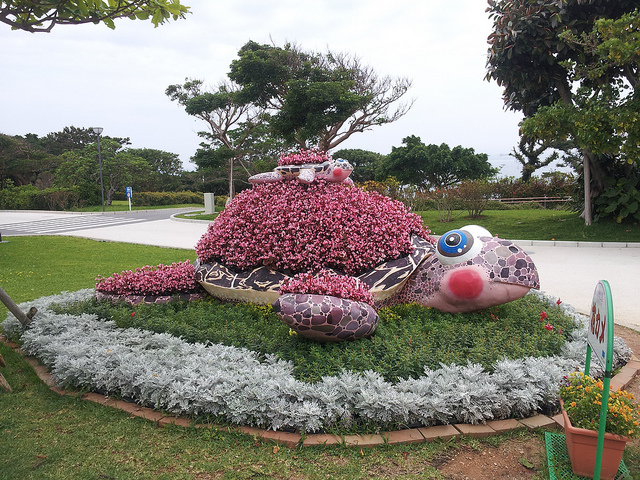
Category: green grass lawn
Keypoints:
(557, 225)
(43, 435)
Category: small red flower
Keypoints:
(133, 314)
(558, 302)
(548, 326)
(543, 316)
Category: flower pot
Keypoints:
(582, 445)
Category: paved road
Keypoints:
(567, 271)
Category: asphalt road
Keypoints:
(568, 271)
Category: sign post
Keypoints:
(600, 341)
(129, 195)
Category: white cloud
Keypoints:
(89, 75)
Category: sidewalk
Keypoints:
(568, 270)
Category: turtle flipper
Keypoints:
(266, 177)
(325, 318)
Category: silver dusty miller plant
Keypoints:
(165, 372)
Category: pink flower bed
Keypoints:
(295, 228)
(161, 280)
(305, 156)
(328, 283)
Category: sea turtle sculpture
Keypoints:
(467, 269)
(336, 170)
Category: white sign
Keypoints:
(597, 329)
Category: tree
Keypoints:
(316, 99)
(528, 55)
(435, 166)
(42, 15)
(166, 168)
(365, 163)
(16, 161)
(603, 118)
(235, 127)
(120, 168)
(530, 150)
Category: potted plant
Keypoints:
(581, 401)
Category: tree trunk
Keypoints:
(24, 319)
(231, 190)
(586, 165)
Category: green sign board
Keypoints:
(600, 341)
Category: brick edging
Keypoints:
(414, 435)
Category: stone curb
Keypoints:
(416, 435)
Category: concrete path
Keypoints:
(568, 270)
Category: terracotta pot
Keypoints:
(582, 445)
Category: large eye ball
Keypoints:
(457, 246)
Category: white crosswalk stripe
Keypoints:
(66, 224)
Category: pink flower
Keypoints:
(294, 228)
(328, 283)
(160, 280)
(548, 326)
(305, 156)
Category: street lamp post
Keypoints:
(98, 131)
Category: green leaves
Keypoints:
(43, 15)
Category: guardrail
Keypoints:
(543, 200)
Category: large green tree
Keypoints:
(434, 166)
(316, 99)
(165, 169)
(16, 161)
(120, 168)
(43, 15)
(528, 57)
(233, 125)
(604, 116)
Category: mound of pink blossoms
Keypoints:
(295, 228)
(305, 156)
(328, 283)
(178, 277)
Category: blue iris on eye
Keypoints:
(453, 242)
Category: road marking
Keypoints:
(66, 224)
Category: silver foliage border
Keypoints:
(165, 372)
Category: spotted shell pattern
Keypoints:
(325, 318)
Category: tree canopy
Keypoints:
(366, 163)
(533, 55)
(435, 166)
(236, 129)
(120, 168)
(316, 99)
(42, 15)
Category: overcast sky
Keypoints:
(89, 75)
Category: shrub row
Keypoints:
(29, 197)
(150, 199)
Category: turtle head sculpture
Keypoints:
(470, 270)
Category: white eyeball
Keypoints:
(458, 246)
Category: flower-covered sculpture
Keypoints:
(274, 231)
